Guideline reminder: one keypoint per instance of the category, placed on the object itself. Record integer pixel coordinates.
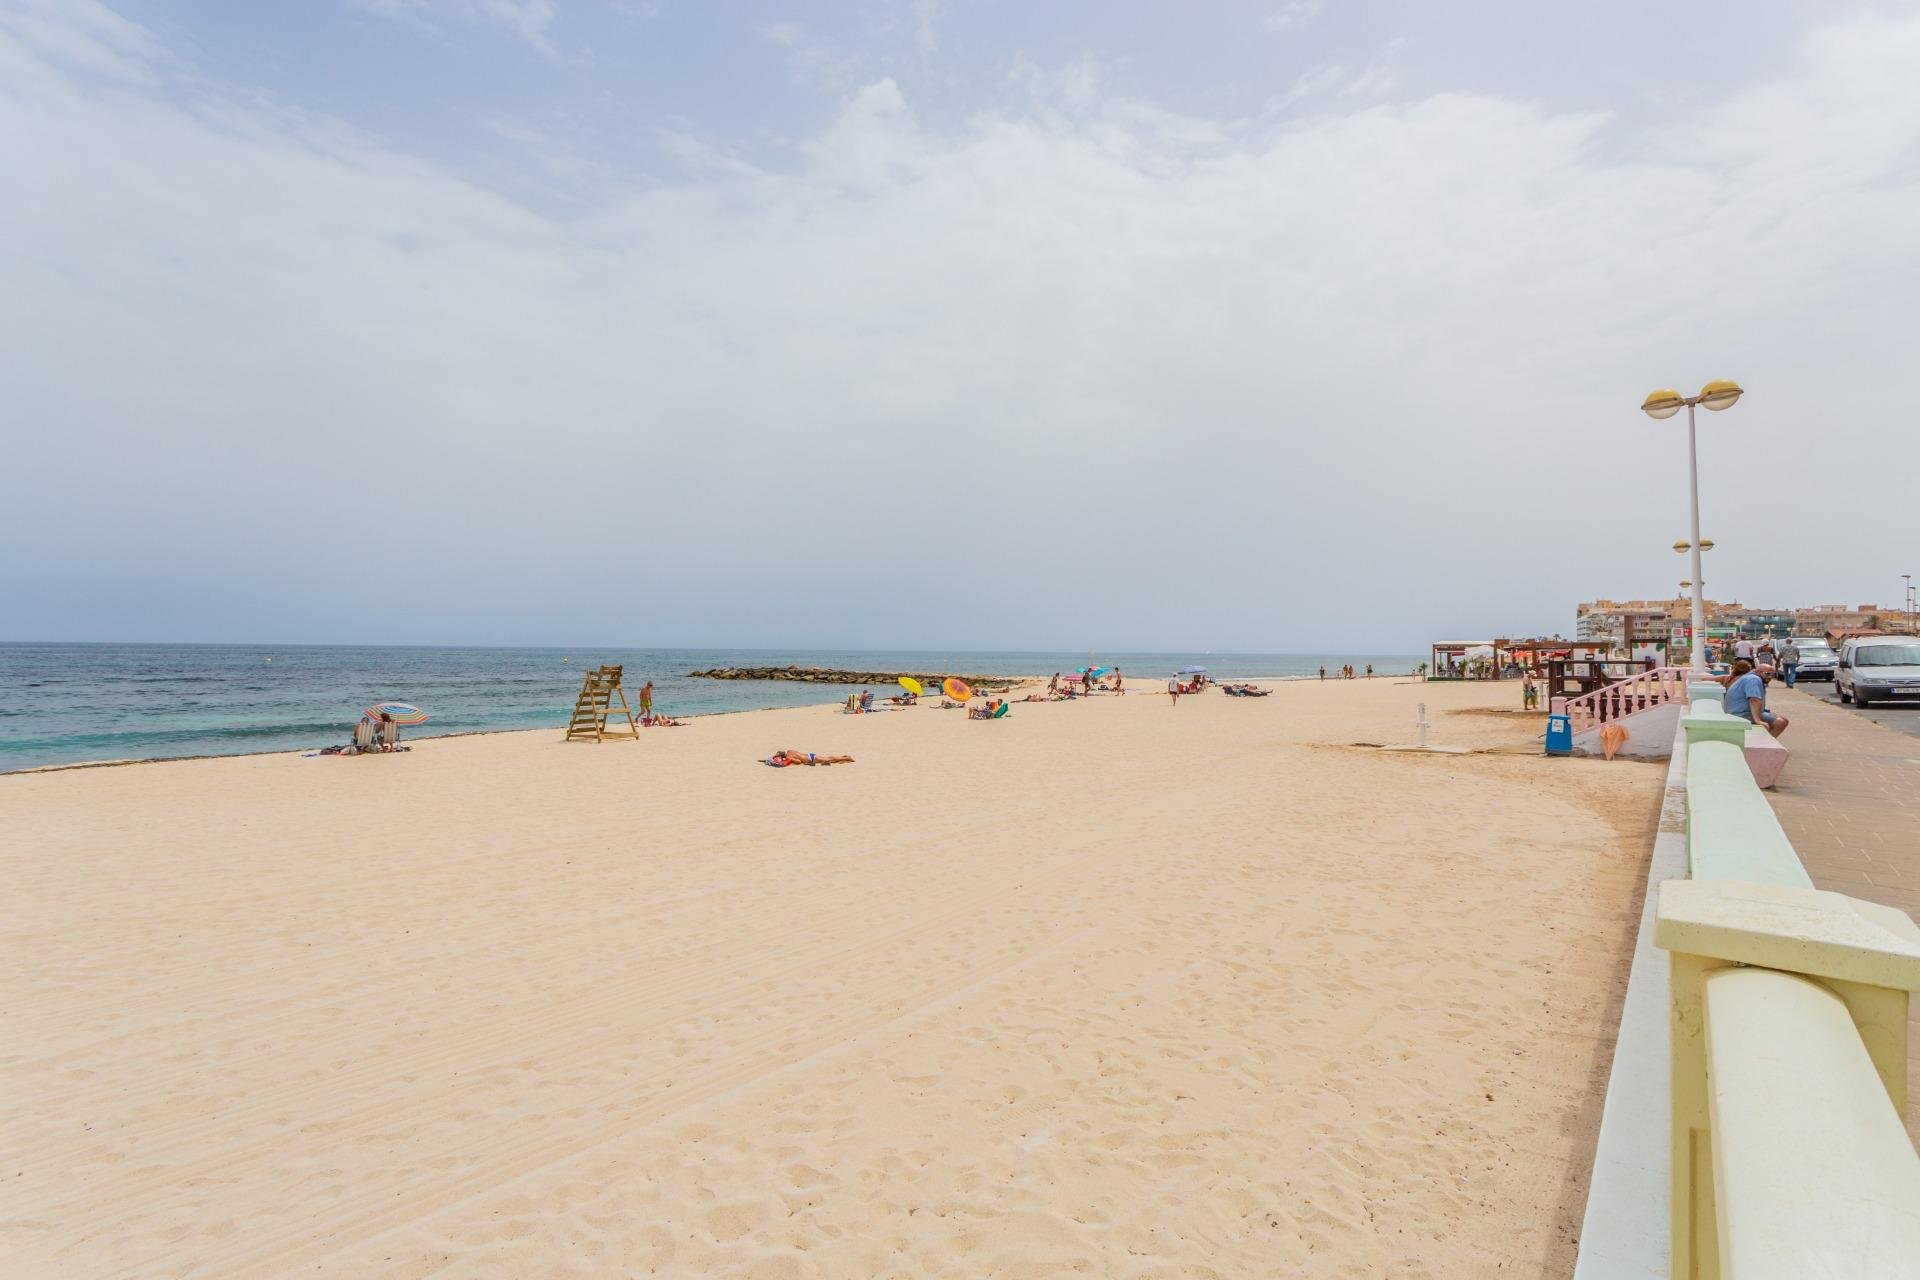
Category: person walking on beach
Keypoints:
(1790, 661)
(1173, 690)
(646, 699)
(1119, 682)
(1746, 697)
(1053, 686)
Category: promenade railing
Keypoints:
(1788, 1022)
(1654, 688)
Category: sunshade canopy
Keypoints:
(398, 712)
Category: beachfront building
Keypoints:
(1635, 627)
(1822, 619)
(1628, 625)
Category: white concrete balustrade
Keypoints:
(1787, 1046)
(1778, 1073)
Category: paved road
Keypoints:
(1904, 719)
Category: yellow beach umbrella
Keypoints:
(911, 685)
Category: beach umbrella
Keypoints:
(911, 685)
(957, 689)
(398, 712)
(1095, 672)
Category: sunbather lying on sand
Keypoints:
(781, 759)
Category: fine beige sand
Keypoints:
(1115, 988)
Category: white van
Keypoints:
(1879, 669)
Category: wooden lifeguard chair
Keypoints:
(595, 706)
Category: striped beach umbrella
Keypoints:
(398, 712)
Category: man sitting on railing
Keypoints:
(1746, 697)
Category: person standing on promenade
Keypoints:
(1746, 697)
(1743, 651)
(1790, 661)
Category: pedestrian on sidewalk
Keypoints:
(1790, 662)
(1746, 697)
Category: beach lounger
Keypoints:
(364, 734)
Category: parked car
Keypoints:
(1817, 658)
(1879, 669)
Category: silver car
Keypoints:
(1879, 669)
(1817, 658)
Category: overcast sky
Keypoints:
(1279, 326)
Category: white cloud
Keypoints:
(531, 20)
(1144, 379)
(1294, 13)
(82, 36)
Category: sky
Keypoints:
(1285, 326)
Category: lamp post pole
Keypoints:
(1698, 659)
(1718, 394)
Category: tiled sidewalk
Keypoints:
(1850, 802)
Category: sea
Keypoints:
(75, 703)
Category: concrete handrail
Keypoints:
(1828, 1185)
(1767, 1064)
(1731, 831)
(1788, 1005)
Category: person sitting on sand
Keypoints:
(986, 712)
(661, 721)
(904, 699)
(784, 757)
(866, 699)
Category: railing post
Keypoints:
(1866, 954)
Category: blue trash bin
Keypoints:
(1560, 735)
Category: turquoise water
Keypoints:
(67, 703)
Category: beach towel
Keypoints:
(1612, 734)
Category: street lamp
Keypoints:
(1718, 394)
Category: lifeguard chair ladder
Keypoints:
(594, 706)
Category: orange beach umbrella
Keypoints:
(956, 688)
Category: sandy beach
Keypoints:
(1113, 988)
